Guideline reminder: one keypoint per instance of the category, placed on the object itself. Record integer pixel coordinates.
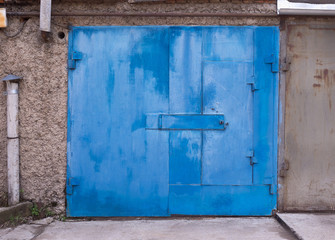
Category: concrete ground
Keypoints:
(21, 209)
(308, 226)
(170, 229)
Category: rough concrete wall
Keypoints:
(310, 118)
(43, 92)
(42, 110)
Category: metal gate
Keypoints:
(172, 120)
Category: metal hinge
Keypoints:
(272, 59)
(75, 56)
(269, 181)
(71, 182)
(285, 66)
(251, 155)
(252, 83)
(284, 168)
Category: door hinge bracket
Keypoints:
(70, 183)
(252, 83)
(269, 181)
(251, 156)
(272, 59)
(284, 168)
(272, 189)
(71, 62)
(286, 64)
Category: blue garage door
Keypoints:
(172, 120)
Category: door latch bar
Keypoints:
(186, 122)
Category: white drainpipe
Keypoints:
(45, 15)
(13, 163)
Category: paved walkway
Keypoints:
(308, 226)
(171, 229)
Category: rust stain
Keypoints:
(290, 47)
(326, 78)
(299, 34)
(316, 85)
(325, 72)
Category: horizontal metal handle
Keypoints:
(186, 122)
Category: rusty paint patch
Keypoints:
(3, 18)
(327, 77)
(290, 47)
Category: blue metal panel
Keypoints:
(185, 157)
(125, 160)
(185, 76)
(266, 107)
(228, 43)
(226, 91)
(113, 87)
(185, 69)
(221, 200)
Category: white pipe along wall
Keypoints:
(13, 162)
(45, 15)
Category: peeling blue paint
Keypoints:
(162, 120)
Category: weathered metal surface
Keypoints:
(186, 122)
(221, 200)
(122, 168)
(310, 118)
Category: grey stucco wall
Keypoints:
(43, 92)
(42, 111)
